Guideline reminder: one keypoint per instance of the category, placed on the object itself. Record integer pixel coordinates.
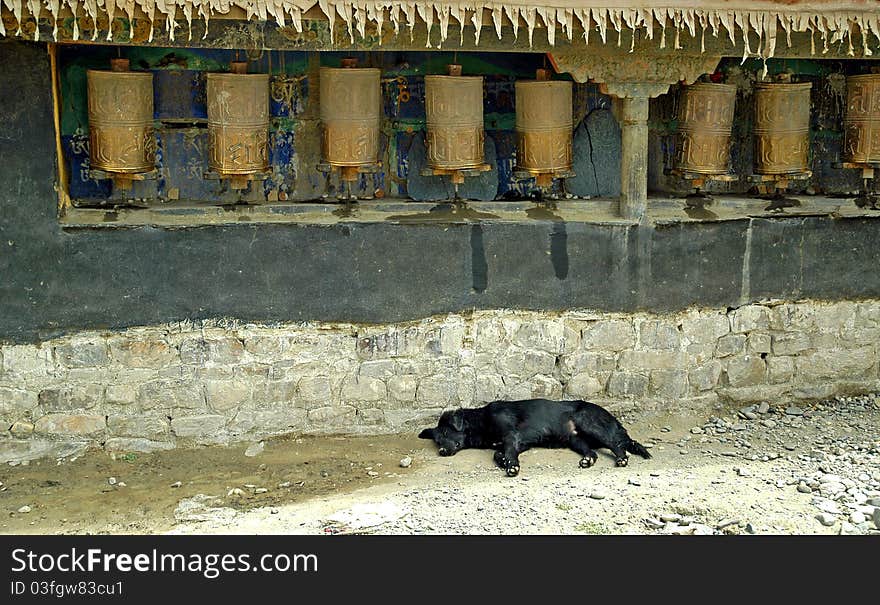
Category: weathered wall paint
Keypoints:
(295, 129)
(179, 91)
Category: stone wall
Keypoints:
(181, 385)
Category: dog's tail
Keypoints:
(634, 447)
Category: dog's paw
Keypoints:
(499, 459)
(621, 461)
(588, 461)
(512, 471)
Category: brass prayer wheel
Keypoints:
(238, 123)
(782, 128)
(351, 113)
(862, 121)
(454, 110)
(121, 137)
(544, 127)
(705, 119)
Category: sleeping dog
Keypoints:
(512, 427)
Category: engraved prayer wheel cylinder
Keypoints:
(782, 128)
(862, 120)
(543, 126)
(351, 112)
(454, 110)
(238, 123)
(121, 137)
(705, 119)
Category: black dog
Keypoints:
(512, 427)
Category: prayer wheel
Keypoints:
(351, 113)
(238, 123)
(782, 128)
(705, 119)
(121, 137)
(454, 108)
(544, 127)
(862, 120)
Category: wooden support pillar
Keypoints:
(634, 157)
(631, 100)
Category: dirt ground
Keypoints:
(734, 473)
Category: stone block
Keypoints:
(140, 353)
(268, 422)
(25, 450)
(548, 336)
(220, 351)
(70, 425)
(266, 346)
(813, 392)
(149, 426)
(403, 388)
(380, 368)
(791, 317)
(205, 425)
(402, 342)
(587, 361)
(758, 343)
(608, 335)
(747, 370)
(487, 388)
(777, 393)
(668, 384)
(651, 360)
(28, 360)
(583, 386)
(731, 344)
(749, 318)
(121, 394)
(373, 417)
(332, 416)
(658, 334)
(437, 391)
(21, 429)
(171, 395)
(362, 388)
(627, 384)
(14, 402)
(79, 353)
(490, 334)
(74, 397)
(705, 377)
(705, 327)
(835, 364)
(790, 343)
(315, 389)
(224, 395)
(780, 369)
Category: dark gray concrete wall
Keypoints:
(54, 280)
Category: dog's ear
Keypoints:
(427, 434)
(457, 421)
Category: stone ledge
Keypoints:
(661, 210)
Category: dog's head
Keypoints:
(450, 433)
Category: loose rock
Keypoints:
(255, 449)
(826, 519)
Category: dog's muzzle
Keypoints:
(443, 451)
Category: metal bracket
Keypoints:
(237, 181)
